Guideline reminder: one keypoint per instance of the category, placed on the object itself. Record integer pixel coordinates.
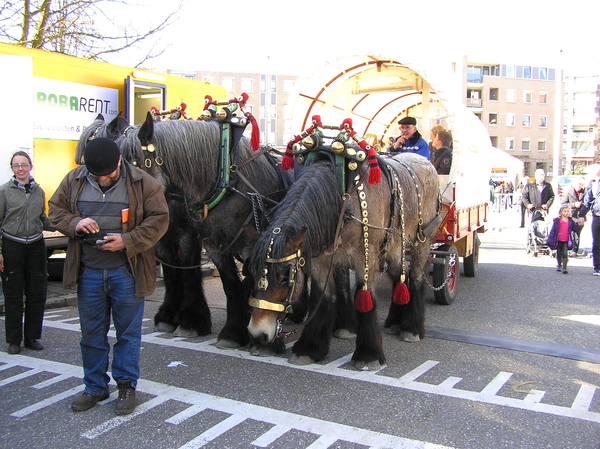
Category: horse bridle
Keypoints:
(284, 308)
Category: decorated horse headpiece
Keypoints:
(212, 112)
(312, 138)
(174, 114)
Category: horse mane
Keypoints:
(190, 153)
(97, 129)
(313, 204)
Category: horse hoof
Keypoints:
(185, 333)
(262, 351)
(393, 330)
(367, 366)
(409, 337)
(227, 344)
(300, 360)
(344, 334)
(164, 327)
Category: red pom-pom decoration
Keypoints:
(374, 170)
(288, 158)
(363, 302)
(255, 137)
(401, 295)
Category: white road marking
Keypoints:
(489, 394)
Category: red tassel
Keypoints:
(374, 170)
(401, 295)
(255, 138)
(363, 301)
(288, 158)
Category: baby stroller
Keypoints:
(538, 233)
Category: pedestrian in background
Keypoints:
(113, 214)
(561, 237)
(23, 258)
(574, 199)
(591, 203)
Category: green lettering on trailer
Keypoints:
(74, 103)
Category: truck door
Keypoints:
(140, 97)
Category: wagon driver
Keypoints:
(410, 140)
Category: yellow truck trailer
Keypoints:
(49, 98)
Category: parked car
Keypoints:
(564, 182)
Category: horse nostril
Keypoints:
(262, 339)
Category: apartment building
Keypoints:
(517, 106)
(581, 114)
(268, 98)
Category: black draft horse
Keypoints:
(184, 157)
(304, 239)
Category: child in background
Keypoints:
(561, 237)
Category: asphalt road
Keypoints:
(514, 362)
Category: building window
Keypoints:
(541, 145)
(247, 84)
(288, 86)
(229, 84)
(510, 119)
(493, 118)
(525, 144)
(263, 84)
(474, 98)
(248, 108)
(526, 120)
(510, 71)
(527, 96)
(527, 72)
(543, 73)
(543, 97)
(209, 79)
(543, 121)
(510, 144)
(511, 95)
(474, 74)
(493, 93)
(494, 141)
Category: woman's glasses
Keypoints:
(18, 166)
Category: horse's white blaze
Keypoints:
(264, 326)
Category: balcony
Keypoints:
(474, 103)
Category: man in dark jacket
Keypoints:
(113, 214)
(591, 202)
(538, 194)
(441, 156)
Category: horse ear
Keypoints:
(99, 117)
(147, 130)
(117, 126)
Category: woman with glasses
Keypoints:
(23, 258)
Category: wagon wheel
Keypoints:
(446, 295)
(471, 263)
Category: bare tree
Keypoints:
(86, 28)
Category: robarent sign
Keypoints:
(62, 110)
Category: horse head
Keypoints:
(99, 128)
(276, 267)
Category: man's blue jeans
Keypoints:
(99, 293)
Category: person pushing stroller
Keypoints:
(561, 237)
(538, 194)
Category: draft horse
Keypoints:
(322, 227)
(211, 199)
